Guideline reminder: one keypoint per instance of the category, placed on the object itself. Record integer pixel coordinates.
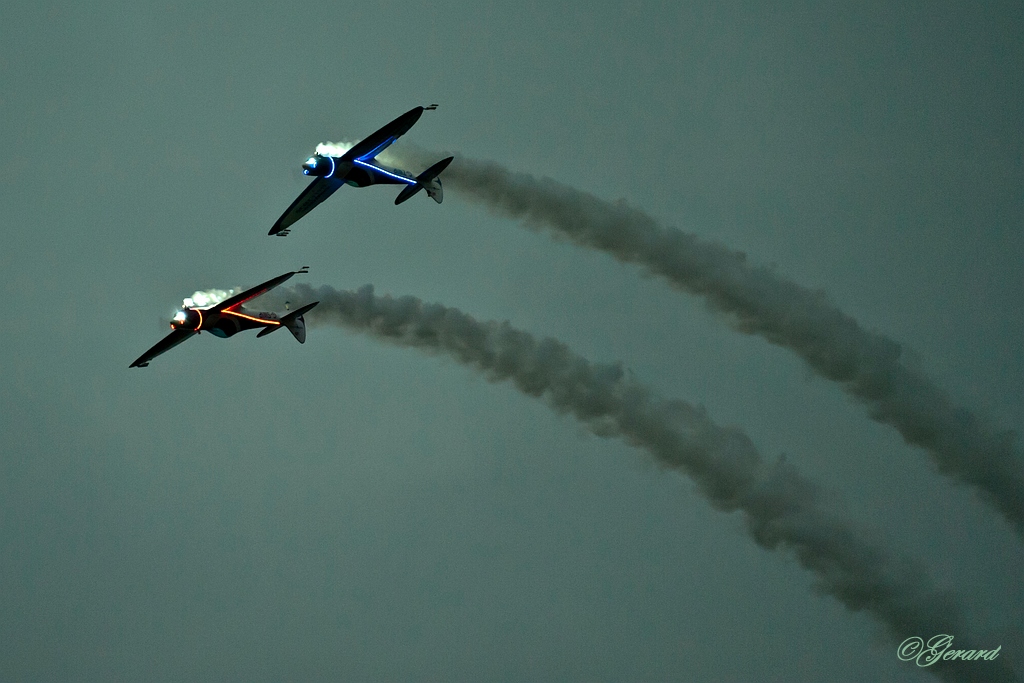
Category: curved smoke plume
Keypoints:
(781, 508)
(866, 364)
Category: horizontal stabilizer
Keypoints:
(407, 191)
(434, 170)
(428, 181)
(267, 330)
(294, 322)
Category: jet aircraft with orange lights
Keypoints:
(228, 318)
(359, 167)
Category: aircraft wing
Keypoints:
(373, 145)
(239, 299)
(165, 344)
(317, 191)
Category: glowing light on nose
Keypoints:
(311, 161)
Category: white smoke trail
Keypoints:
(866, 364)
(781, 508)
(207, 297)
(337, 149)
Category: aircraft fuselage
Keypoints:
(356, 173)
(222, 324)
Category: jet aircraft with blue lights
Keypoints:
(228, 318)
(359, 167)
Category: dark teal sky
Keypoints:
(258, 510)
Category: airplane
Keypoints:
(359, 167)
(227, 318)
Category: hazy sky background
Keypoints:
(258, 510)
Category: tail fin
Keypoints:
(429, 181)
(434, 190)
(297, 326)
(294, 322)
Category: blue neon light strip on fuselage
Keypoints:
(379, 147)
(402, 178)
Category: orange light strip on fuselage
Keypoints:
(253, 318)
